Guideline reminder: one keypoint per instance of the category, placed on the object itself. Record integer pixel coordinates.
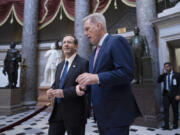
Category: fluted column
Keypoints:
(81, 10)
(146, 11)
(29, 51)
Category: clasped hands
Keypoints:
(52, 93)
(177, 97)
(83, 80)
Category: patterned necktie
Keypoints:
(63, 76)
(96, 54)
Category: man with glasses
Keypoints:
(69, 110)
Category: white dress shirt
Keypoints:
(70, 61)
(167, 87)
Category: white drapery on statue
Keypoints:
(53, 59)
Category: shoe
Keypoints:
(175, 127)
(165, 128)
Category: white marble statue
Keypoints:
(53, 59)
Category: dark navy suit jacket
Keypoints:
(113, 101)
(74, 108)
(174, 88)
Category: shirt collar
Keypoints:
(102, 39)
(171, 72)
(70, 59)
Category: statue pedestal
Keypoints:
(147, 70)
(146, 101)
(11, 101)
(43, 99)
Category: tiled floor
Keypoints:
(38, 125)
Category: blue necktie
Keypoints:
(63, 76)
(169, 82)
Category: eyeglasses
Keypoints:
(67, 42)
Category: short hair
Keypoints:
(96, 18)
(136, 28)
(12, 45)
(167, 63)
(75, 39)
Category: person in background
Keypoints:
(171, 94)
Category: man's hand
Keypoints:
(58, 93)
(79, 91)
(50, 94)
(163, 71)
(87, 79)
(177, 98)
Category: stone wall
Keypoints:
(167, 29)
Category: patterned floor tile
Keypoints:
(38, 125)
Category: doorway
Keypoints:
(177, 53)
(174, 54)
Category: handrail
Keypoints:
(24, 119)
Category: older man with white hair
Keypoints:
(109, 78)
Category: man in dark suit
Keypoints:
(109, 78)
(69, 110)
(171, 93)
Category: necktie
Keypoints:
(63, 76)
(96, 54)
(169, 82)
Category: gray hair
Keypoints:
(96, 18)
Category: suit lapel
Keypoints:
(91, 60)
(103, 47)
(59, 70)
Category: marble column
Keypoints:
(29, 51)
(146, 11)
(81, 10)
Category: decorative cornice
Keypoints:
(130, 4)
(106, 7)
